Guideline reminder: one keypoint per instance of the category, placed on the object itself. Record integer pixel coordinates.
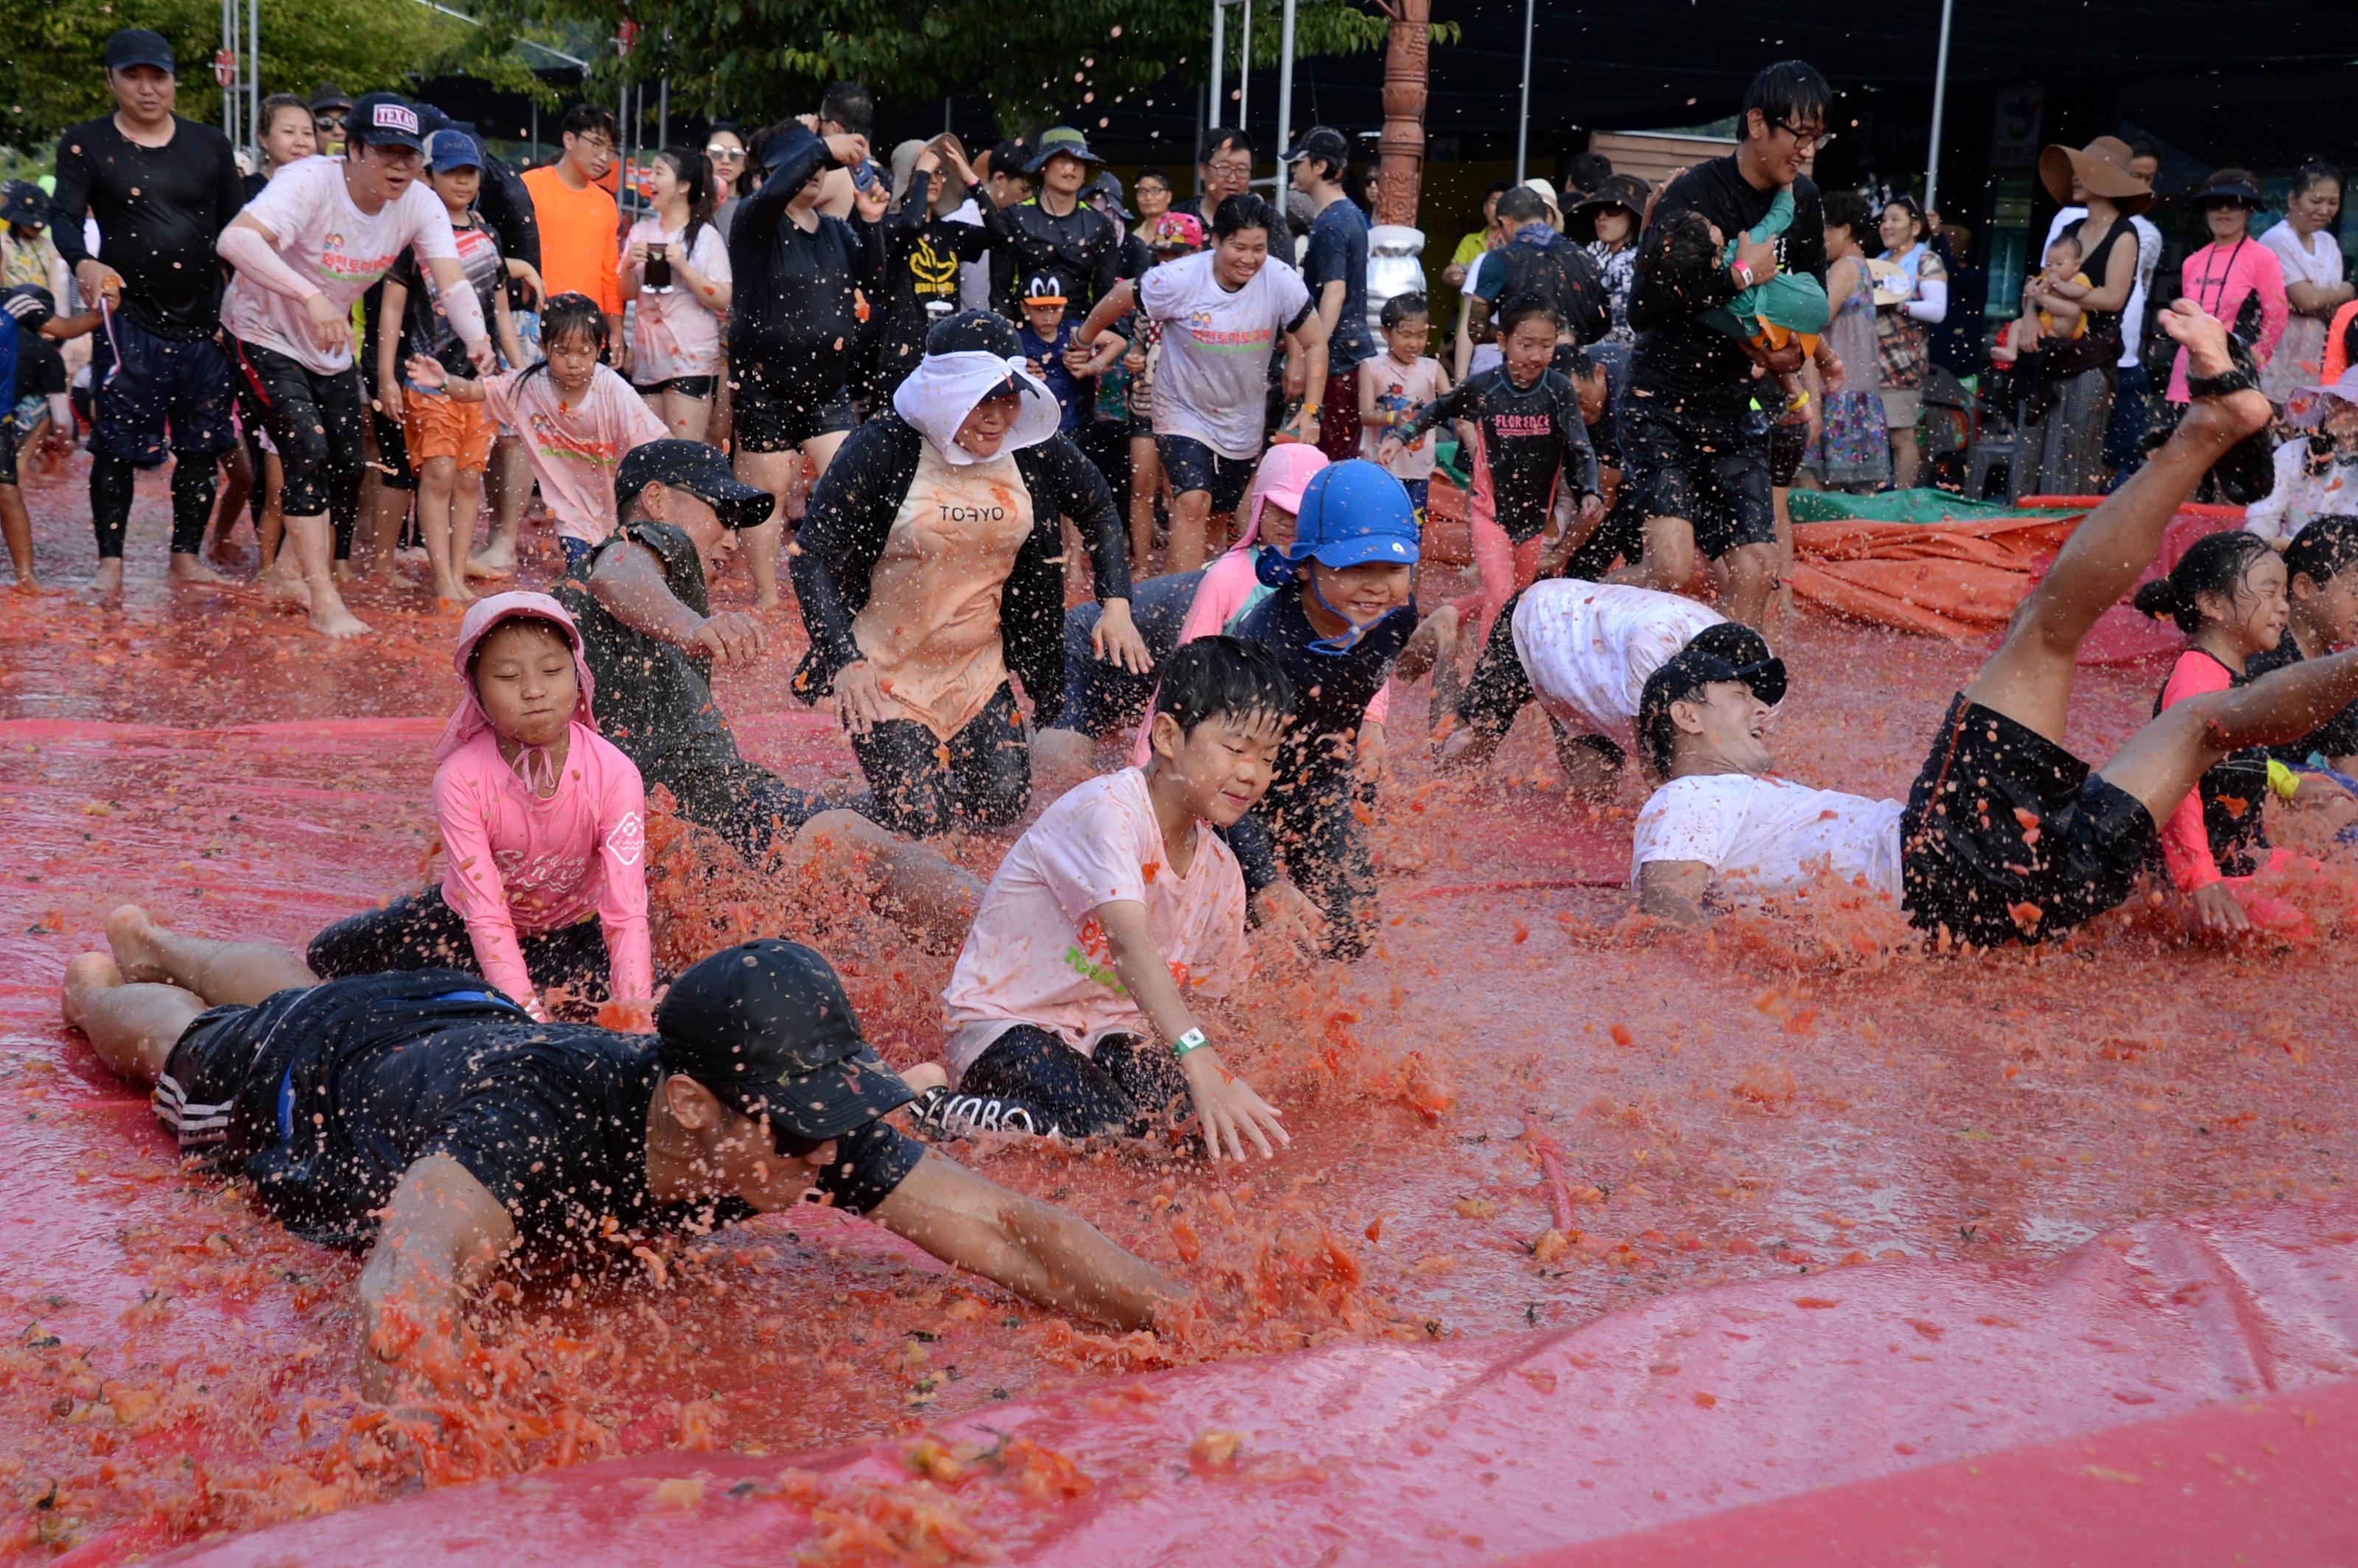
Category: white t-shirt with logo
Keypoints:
(1588, 648)
(1211, 382)
(1763, 836)
(335, 244)
(674, 333)
(1036, 954)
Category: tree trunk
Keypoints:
(1400, 150)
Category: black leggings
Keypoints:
(194, 475)
(985, 782)
(315, 420)
(1029, 1080)
(423, 932)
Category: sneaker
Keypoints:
(939, 1113)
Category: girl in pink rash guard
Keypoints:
(544, 832)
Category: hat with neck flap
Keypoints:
(469, 719)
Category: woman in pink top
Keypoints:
(544, 833)
(2232, 269)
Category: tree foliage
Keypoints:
(50, 74)
(1066, 59)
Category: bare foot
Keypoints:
(27, 583)
(451, 594)
(192, 568)
(108, 583)
(219, 551)
(287, 592)
(412, 556)
(346, 572)
(497, 566)
(330, 619)
(926, 1076)
(86, 973)
(134, 936)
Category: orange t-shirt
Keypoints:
(577, 238)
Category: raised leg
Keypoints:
(2162, 761)
(918, 885)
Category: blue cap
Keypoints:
(447, 149)
(1353, 513)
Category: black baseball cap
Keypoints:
(327, 95)
(140, 46)
(1695, 666)
(22, 201)
(766, 1027)
(697, 469)
(1323, 142)
(385, 120)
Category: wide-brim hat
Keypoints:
(1617, 190)
(1062, 139)
(2103, 167)
(2229, 193)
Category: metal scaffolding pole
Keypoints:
(1286, 89)
(1940, 103)
(1523, 126)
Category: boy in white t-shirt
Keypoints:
(1070, 1012)
(313, 242)
(1582, 651)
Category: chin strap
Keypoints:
(1336, 647)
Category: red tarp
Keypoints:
(2188, 1377)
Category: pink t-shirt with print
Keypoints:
(574, 447)
(515, 863)
(325, 238)
(1037, 953)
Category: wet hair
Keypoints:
(591, 119)
(279, 103)
(851, 105)
(2311, 175)
(1009, 157)
(694, 171)
(1586, 171)
(1788, 91)
(1528, 306)
(1576, 361)
(1222, 677)
(1240, 212)
(1846, 209)
(1400, 306)
(2323, 550)
(1523, 204)
(1677, 251)
(1220, 139)
(2066, 240)
(567, 316)
(2214, 564)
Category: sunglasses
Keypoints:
(720, 154)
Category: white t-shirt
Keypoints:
(335, 244)
(1588, 648)
(673, 333)
(1036, 954)
(1765, 836)
(1212, 381)
(2133, 314)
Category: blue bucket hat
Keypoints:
(1353, 513)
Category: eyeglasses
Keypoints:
(1803, 139)
(1240, 167)
(720, 154)
(593, 144)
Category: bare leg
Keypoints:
(776, 472)
(2161, 761)
(17, 526)
(237, 488)
(1435, 638)
(133, 1027)
(1145, 481)
(1191, 517)
(687, 417)
(312, 544)
(135, 1004)
(273, 528)
(932, 894)
(438, 483)
(1589, 771)
(1667, 561)
(511, 487)
(1061, 759)
(1751, 578)
(392, 511)
(1904, 460)
(2028, 679)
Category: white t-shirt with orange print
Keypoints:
(1037, 953)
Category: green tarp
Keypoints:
(1898, 506)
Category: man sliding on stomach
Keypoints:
(430, 1121)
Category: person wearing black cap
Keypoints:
(1053, 230)
(794, 328)
(2234, 277)
(431, 1123)
(929, 573)
(2006, 837)
(316, 239)
(162, 190)
(1335, 269)
(329, 107)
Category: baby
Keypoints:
(2052, 317)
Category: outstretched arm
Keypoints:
(1037, 1250)
(443, 1231)
(1673, 891)
(1230, 1110)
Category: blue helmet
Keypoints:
(1353, 513)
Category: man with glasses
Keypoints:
(1693, 455)
(427, 1120)
(578, 221)
(318, 236)
(1223, 170)
(162, 190)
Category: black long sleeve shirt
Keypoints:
(792, 320)
(1027, 238)
(159, 210)
(1526, 436)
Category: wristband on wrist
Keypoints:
(1192, 1040)
(1742, 272)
